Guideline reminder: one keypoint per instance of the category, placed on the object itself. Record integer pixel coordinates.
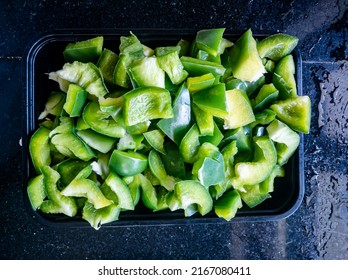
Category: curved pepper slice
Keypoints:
(106, 63)
(197, 67)
(252, 196)
(101, 122)
(86, 75)
(156, 140)
(57, 203)
(97, 217)
(189, 144)
(252, 173)
(146, 103)
(97, 141)
(39, 148)
(266, 96)
(36, 191)
(83, 187)
(159, 171)
(190, 192)
(119, 187)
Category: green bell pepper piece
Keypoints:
(57, 202)
(156, 140)
(277, 46)
(75, 100)
(83, 187)
(197, 67)
(84, 51)
(177, 126)
(190, 192)
(130, 142)
(115, 184)
(81, 124)
(36, 191)
(133, 183)
(107, 63)
(189, 144)
(286, 140)
(240, 112)
(214, 139)
(209, 167)
(98, 217)
(101, 122)
(267, 185)
(263, 118)
(157, 168)
(212, 100)
(69, 169)
(284, 79)
(269, 65)
(248, 87)
(86, 75)
(252, 196)
(146, 103)
(204, 120)
(173, 161)
(97, 141)
(39, 148)
(69, 144)
(245, 60)
(184, 47)
(147, 72)
(295, 112)
(201, 82)
(127, 163)
(168, 59)
(203, 55)
(252, 173)
(265, 97)
(54, 105)
(228, 204)
(209, 40)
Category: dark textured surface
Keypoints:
(318, 230)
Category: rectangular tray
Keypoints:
(45, 54)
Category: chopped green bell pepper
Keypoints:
(84, 51)
(36, 191)
(284, 79)
(295, 112)
(107, 63)
(147, 103)
(127, 163)
(201, 82)
(286, 140)
(177, 126)
(97, 141)
(228, 204)
(39, 148)
(204, 120)
(265, 97)
(197, 67)
(75, 100)
(252, 173)
(209, 40)
(54, 105)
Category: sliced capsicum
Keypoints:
(189, 144)
(84, 51)
(245, 60)
(107, 63)
(146, 103)
(209, 40)
(284, 79)
(75, 100)
(127, 163)
(97, 141)
(101, 122)
(252, 173)
(265, 97)
(156, 140)
(54, 105)
(190, 193)
(36, 191)
(201, 82)
(212, 100)
(285, 138)
(295, 112)
(39, 148)
(197, 67)
(169, 61)
(57, 202)
(97, 217)
(86, 75)
(177, 126)
(228, 204)
(204, 120)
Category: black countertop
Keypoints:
(317, 230)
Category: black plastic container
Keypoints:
(45, 54)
